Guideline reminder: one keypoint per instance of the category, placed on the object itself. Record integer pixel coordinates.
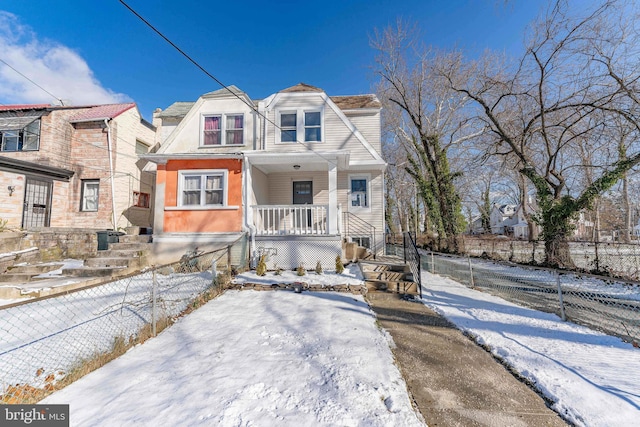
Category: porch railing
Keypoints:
(290, 219)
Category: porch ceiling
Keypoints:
(298, 162)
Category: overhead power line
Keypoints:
(201, 68)
(36, 84)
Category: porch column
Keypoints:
(332, 212)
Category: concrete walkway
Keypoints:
(453, 381)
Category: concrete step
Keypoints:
(101, 261)
(137, 238)
(123, 253)
(130, 245)
(17, 277)
(93, 271)
(33, 269)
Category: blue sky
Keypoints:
(98, 51)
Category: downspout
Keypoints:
(248, 217)
(113, 195)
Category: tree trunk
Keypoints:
(557, 252)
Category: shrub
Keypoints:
(339, 265)
(300, 270)
(318, 268)
(261, 269)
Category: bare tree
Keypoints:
(578, 75)
(427, 119)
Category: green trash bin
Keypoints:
(107, 236)
(103, 242)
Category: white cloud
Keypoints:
(56, 68)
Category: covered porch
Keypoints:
(294, 193)
(294, 214)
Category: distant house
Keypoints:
(502, 217)
(298, 174)
(74, 167)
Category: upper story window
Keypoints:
(300, 125)
(19, 134)
(223, 129)
(203, 188)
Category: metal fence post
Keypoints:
(153, 306)
(470, 272)
(229, 257)
(404, 246)
(562, 313)
(433, 264)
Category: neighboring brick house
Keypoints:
(298, 173)
(55, 169)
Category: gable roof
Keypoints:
(301, 87)
(177, 109)
(101, 112)
(356, 101)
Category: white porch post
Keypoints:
(332, 212)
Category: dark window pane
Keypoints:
(312, 134)
(288, 136)
(288, 120)
(358, 185)
(312, 119)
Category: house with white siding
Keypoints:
(298, 173)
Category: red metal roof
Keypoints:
(99, 112)
(23, 107)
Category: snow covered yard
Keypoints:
(593, 378)
(253, 358)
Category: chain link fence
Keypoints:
(615, 259)
(49, 342)
(604, 304)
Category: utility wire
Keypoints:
(36, 84)
(201, 68)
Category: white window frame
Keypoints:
(367, 178)
(83, 195)
(203, 173)
(223, 129)
(300, 124)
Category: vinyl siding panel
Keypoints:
(281, 187)
(337, 135)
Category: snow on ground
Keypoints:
(350, 276)
(251, 358)
(592, 378)
(280, 358)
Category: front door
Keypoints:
(303, 195)
(37, 203)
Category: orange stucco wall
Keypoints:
(209, 220)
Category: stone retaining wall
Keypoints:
(52, 243)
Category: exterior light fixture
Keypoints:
(11, 189)
(296, 167)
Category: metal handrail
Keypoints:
(361, 228)
(412, 258)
